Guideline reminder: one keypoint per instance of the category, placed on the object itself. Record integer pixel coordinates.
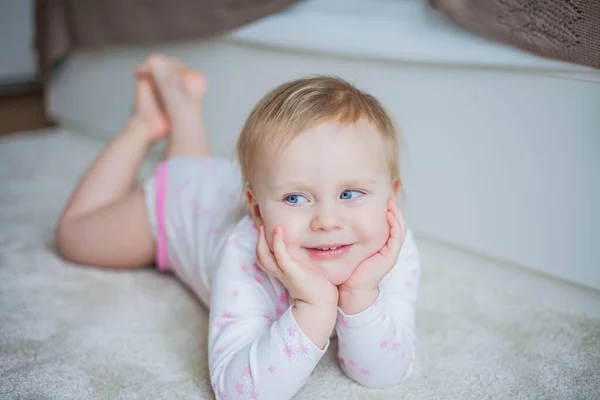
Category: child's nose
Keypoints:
(325, 219)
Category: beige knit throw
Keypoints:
(567, 30)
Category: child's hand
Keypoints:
(361, 289)
(304, 283)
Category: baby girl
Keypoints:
(301, 240)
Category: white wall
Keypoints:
(17, 56)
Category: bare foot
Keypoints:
(181, 88)
(181, 91)
(148, 110)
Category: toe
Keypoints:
(144, 93)
(194, 82)
(157, 65)
(145, 67)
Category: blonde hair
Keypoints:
(294, 107)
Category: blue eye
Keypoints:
(350, 194)
(295, 199)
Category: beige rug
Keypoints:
(68, 332)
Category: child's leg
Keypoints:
(182, 93)
(105, 222)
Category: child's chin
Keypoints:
(338, 277)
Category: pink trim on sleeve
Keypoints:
(162, 250)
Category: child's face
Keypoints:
(328, 187)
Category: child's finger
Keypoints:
(265, 257)
(391, 248)
(282, 257)
(400, 218)
(389, 244)
(396, 235)
(263, 252)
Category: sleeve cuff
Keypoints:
(374, 311)
(296, 341)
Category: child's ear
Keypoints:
(395, 188)
(253, 206)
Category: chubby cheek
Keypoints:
(290, 225)
(373, 230)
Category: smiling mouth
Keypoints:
(329, 252)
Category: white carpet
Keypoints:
(68, 332)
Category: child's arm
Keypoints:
(259, 346)
(377, 346)
(256, 347)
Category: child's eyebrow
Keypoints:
(358, 182)
(292, 184)
(342, 185)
